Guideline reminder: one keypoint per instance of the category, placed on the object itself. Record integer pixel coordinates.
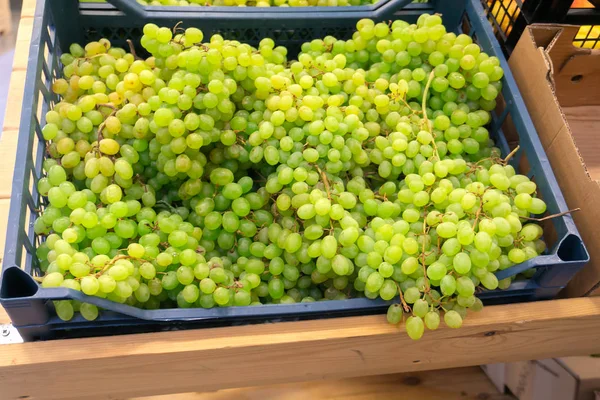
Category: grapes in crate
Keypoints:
(215, 174)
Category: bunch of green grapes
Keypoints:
(213, 174)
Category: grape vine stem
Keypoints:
(425, 119)
(477, 214)
(107, 105)
(111, 263)
(132, 49)
(177, 27)
(511, 154)
(325, 181)
(408, 105)
(427, 287)
(552, 216)
(404, 304)
(424, 103)
(103, 124)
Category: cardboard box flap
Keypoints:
(533, 69)
(584, 368)
(584, 123)
(576, 70)
(587, 372)
(544, 34)
(574, 74)
(567, 126)
(540, 380)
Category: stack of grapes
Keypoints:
(215, 174)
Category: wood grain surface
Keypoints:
(218, 358)
(450, 384)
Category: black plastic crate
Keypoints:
(510, 17)
(289, 26)
(589, 19)
(30, 306)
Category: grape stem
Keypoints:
(511, 154)
(477, 217)
(404, 304)
(321, 72)
(407, 105)
(424, 103)
(177, 26)
(111, 263)
(90, 57)
(103, 124)
(165, 204)
(107, 105)
(552, 216)
(325, 181)
(132, 49)
(425, 119)
(427, 287)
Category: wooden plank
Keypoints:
(212, 359)
(4, 316)
(450, 384)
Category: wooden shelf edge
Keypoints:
(469, 383)
(218, 358)
(211, 359)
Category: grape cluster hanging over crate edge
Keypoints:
(216, 174)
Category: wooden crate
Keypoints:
(219, 358)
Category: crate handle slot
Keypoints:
(569, 250)
(17, 283)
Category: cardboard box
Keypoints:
(540, 380)
(568, 378)
(497, 374)
(561, 87)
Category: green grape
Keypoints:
(395, 314)
(453, 319)
(90, 285)
(432, 320)
(420, 308)
(415, 327)
(64, 309)
(88, 311)
(53, 279)
(107, 283)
